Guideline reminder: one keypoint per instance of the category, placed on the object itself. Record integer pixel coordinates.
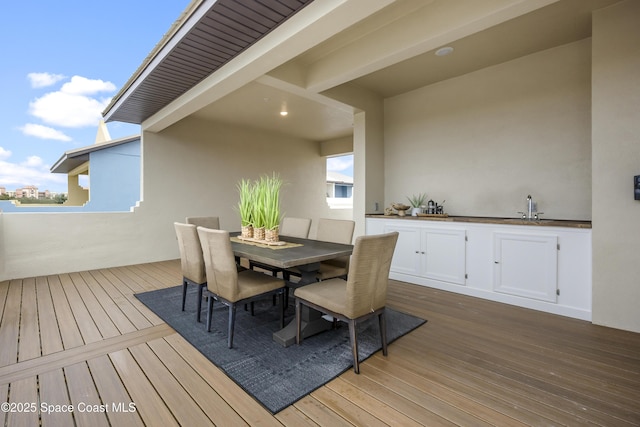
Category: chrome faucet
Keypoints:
(531, 213)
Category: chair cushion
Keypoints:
(329, 271)
(252, 283)
(330, 294)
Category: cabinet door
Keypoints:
(444, 255)
(406, 257)
(526, 265)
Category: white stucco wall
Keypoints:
(485, 140)
(190, 169)
(616, 159)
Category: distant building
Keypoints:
(30, 192)
(339, 190)
(114, 167)
(339, 185)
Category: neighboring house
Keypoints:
(339, 185)
(538, 97)
(339, 190)
(114, 170)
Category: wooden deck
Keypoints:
(83, 339)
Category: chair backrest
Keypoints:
(204, 221)
(295, 227)
(191, 259)
(220, 264)
(369, 273)
(335, 230)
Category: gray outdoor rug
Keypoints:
(274, 375)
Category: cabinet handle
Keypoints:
(417, 252)
(422, 253)
(496, 262)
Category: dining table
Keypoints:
(303, 254)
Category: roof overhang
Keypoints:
(209, 34)
(73, 159)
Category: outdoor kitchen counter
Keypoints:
(490, 220)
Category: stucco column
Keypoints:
(616, 159)
(368, 170)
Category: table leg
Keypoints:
(312, 321)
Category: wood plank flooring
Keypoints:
(83, 339)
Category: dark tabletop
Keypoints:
(311, 251)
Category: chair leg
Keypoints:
(382, 320)
(232, 322)
(282, 309)
(200, 289)
(298, 322)
(209, 312)
(354, 345)
(184, 293)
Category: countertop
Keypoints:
(491, 220)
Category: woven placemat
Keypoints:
(264, 245)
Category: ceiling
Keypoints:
(257, 105)
(316, 117)
(554, 25)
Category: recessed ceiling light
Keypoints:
(444, 51)
(283, 113)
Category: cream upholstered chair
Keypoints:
(212, 222)
(336, 231)
(191, 261)
(227, 285)
(361, 296)
(204, 221)
(295, 227)
(292, 227)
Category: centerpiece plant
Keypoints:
(245, 207)
(257, 212)
(259, 207)
(271, 198)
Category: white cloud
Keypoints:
(34, 162)
(63, 109)
(73, 106)
(44, 132)
(33, 171)
(341, 163)
(83, 86)
(43, 79)
(4, 154)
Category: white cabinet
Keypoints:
(545, 268)
(432, 253)
(526, 265)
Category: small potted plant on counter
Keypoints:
(417, 201)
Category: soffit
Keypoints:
(209, 34)
(559, 23)
(554, 25)
(258, 106)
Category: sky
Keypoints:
(62, 63)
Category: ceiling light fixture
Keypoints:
(444, 51)
(283, 113)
